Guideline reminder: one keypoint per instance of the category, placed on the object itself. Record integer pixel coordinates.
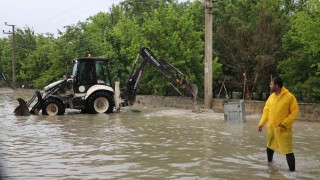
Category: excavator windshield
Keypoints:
(102, 73)
(74, 69)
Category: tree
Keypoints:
(301, 69)
(248, 40)
(173, 30)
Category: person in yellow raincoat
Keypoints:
(279, 113)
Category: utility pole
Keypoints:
(13, 53)
(208, 56)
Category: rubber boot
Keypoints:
(291, 162)
(270, 154)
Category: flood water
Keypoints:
(151, 144)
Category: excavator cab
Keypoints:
(88, 72)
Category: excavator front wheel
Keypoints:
(53, 107)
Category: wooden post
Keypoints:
(309, 89)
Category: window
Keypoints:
(74, 70)
(86, 72)
(102, 73)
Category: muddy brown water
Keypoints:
(152, 144)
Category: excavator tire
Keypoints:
(53, 106)
(100, 102)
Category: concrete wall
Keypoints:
(251, 107)
(165, 101)
(308, 112)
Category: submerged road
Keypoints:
(151, 144)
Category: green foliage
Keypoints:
(172, 30)
(248, 41)
(257, 37)
(301, 69)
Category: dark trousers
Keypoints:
(290, 159)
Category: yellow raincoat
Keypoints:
(281, 109)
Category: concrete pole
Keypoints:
(14, 58)
(309, 89)
(13, 52)
(117, 98)
(244, 85)
(208, 56)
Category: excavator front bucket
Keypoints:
(23, 108)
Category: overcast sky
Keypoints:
(48, 15)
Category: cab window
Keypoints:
(86, 73)
(102, 73)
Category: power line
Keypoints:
(98, 4)
(40, 26)
(60, 14)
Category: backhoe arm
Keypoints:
(168, 70)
